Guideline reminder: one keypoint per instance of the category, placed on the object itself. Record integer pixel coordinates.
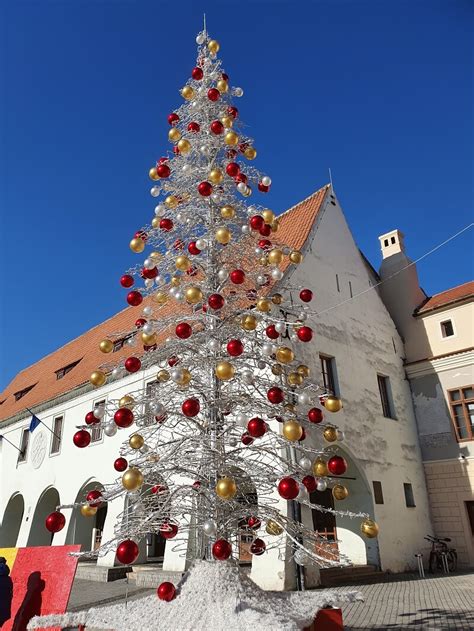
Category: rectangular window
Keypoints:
(386, 396)
(328, 365)
(409, 499)
(461, 403)
(447, 329)
(57, 435)
(350, 288)
(96, 429)
(337, 283)
(378, 494)
(65, 369)
(25, 437)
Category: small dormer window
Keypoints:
(65, 369)
(21, 393)
(447, 329)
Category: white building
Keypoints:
(360, 355)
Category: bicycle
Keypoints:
(439, 552)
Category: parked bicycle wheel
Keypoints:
(452, 559)
(434, 563)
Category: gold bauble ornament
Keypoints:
(247, 192)
(160, 297)
(250, 153)
(98, 378)
(275, 256)
(339, 492)
(175, 281)
(183, 263)
(171, 201)
(249, 323)
(193, 295)
(275, 225)
(264, 305)
(263, 260)
(155, 256)
(227, 121)
(174, 134)
(296, 257)
(224, 371)
(303, 370)
(223, 235)
(272, 528)
(222, 86)
(284, 355)
(137, 245)
(132, 479)
(231, 138)
(268, 216)
(88, 511)
(127, 401)
(155, 222)
(226, 488)
(290, 407)
(148, 340)
(213, 46)
(295, 379)
(320, 468)
(227, 212)
(136, 441)
(277, 299)
(163, 376)
(106, 346)
(215, 176)
(369, 528)
(333, 404)
(277, 370)
(187, 92)
(185, 378)
(330, 434)
(184, 146)
(292, 430)
(153, 174)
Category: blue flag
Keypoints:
(34, 423)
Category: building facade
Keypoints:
(360, 356)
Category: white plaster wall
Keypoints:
(462, 317)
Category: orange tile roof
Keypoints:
(455, 294)
(295, 227)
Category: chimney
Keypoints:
(392, 243)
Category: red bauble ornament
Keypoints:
(288, 488)
(235, 348)
(337, 465)
(243, 146)
(315, 415)
(192, 271)
(232, 111)
(237, 276)
(158, 488)
(194, 127)
(161, 418)
(55, 522)
(221, 550)
(254, 522)
(168, 531)
(123, 417)
(193, 249)
(120, 464)
(197, 485)
(265, 230)
(258, 547)
(216, 301)
(162, 160)
(173, 360)
(262, 188)
(93, 495)
(163, 170)
(256, 427)
(166, 224)
(82, 438)
(134, 298)
(205, 189)
(167, 591)
(132, 364)
(241, 177)
(140, 322)
(306, 295)
(213, 94)
(275, 395)
(197, 73)
(127, 552)
(126, 280)
(310, 483)
(191, 407)
(256, 222)
(91, 419)
(271, 332)
(176, 150)
(217, 127)
(178, 244)
(141, 234)
(183, 330)
(305, 333)
(173, 118)
(264, 244)
(225, 76)
(149, 273)
(246, 439)
(232, 169)
(303, 435)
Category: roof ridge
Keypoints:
(450, 289)
(285, 212)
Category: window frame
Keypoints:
(329, 376)
(409, 495)
(378, 492)
(97, 426)
(447, 337)
(463, 402)
(386, 398)
(23, 456)
(53, 437)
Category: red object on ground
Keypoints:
(327, 620)
(166, 591)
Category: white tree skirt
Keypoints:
(211, 595)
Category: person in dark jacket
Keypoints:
(6, 592)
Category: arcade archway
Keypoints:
(11, 522)
(86, 531)
(47, 503)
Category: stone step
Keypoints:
(353, 570)
(331, 577)
(151, 576)
(101, 573)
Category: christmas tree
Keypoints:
(218, 318)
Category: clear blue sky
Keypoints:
(380, 91)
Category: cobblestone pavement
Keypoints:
(408, 603)
(86, 594)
